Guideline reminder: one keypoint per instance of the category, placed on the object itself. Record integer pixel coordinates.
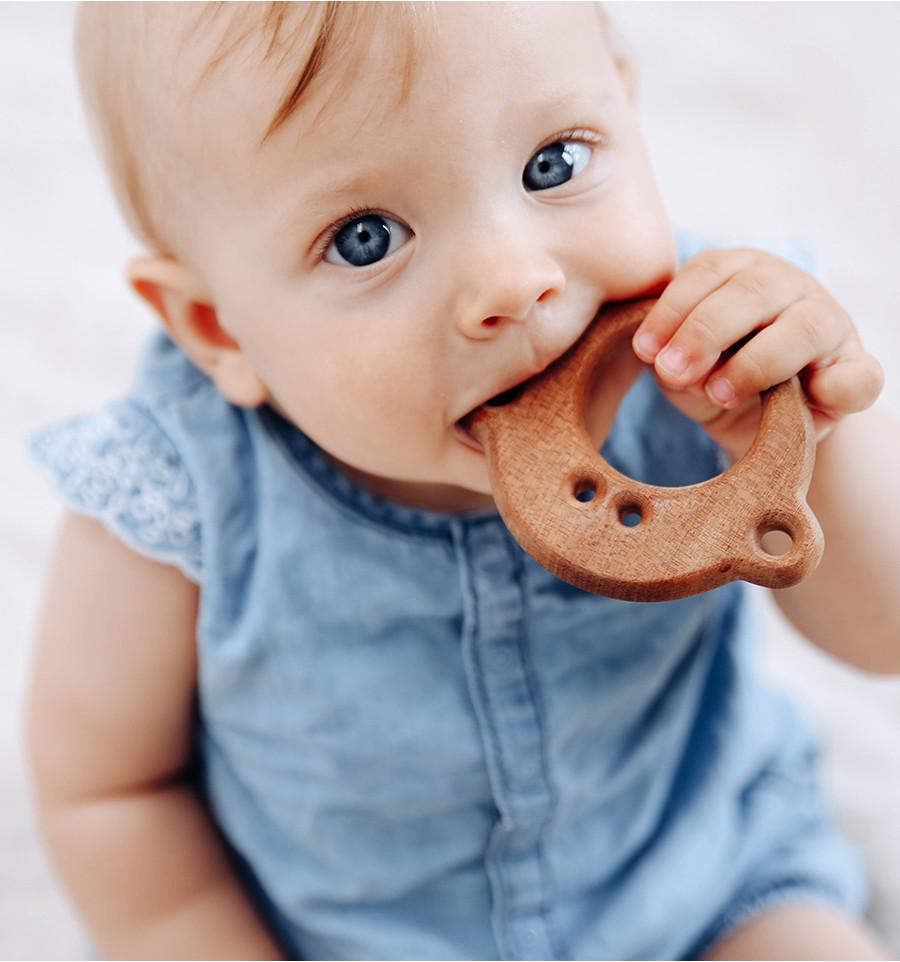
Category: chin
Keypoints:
(480, 488)
(475, 480)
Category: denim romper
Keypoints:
(422, 745)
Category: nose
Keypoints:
(503, 279)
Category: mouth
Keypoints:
(512, 389)
(464, 435)
(506, 396)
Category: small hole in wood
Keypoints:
(776, 542)
(631, 515)
(585, 491)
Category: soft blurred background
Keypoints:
(765, 121)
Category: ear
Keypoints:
(179, 298)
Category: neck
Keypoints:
(421, 495)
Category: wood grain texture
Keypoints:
(636, 541)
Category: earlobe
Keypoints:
(238, 381)
(189, 315)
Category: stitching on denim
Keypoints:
(495, 772)
(354, 507)
(524, 645)
(782, 892)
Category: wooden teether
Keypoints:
(604, 532)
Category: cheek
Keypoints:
(346, 393)
(634, 232)
(629, 249)
(348, 382)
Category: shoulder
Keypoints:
(797, 250)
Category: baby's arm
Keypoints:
(109, 740)
(850, 605)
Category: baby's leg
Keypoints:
(800, 931)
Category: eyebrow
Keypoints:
(558, 101)
(320, 199)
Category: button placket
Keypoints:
(503, 690)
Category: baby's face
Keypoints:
(392, 265)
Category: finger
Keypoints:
(691, 401)
(823, 424)
(851, 384)
(803, 334)
(752, 299)
(697, 279)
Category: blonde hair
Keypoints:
(126, 57)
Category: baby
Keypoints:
(297, 693)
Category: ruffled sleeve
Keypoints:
(117, 465)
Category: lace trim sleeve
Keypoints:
(118, 466)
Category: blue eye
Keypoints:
(555, 164)
(366, 240)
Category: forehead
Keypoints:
(389, 77)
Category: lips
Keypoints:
(466, 436)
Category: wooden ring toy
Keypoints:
(610, 534)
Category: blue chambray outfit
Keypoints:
(422, 745)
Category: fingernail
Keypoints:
(673, 361)
(648, 344)
(720, 390)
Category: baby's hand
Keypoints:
(733, 323)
